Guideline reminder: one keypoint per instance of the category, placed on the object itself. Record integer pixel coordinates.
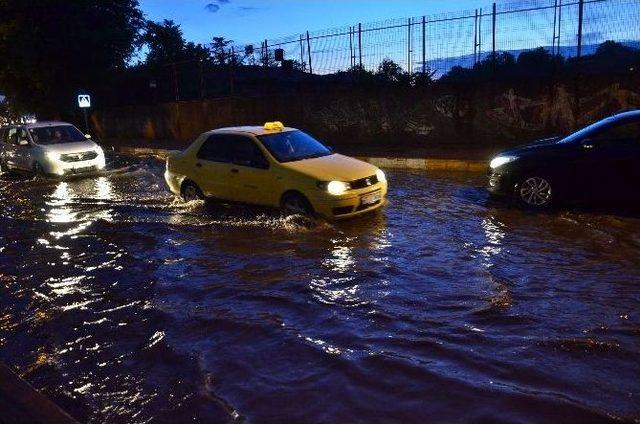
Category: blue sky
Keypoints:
(254, 20)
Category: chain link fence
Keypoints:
(431, 44)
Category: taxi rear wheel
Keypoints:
(190, 191)
(294, 203)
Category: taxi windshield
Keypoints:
(56, 134)
(291, 146)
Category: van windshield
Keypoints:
(56, 134)
(291, 146)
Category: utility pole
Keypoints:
(302, 53)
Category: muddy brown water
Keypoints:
(123, 304)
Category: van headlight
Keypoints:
(335, 188)
(498, 161)
(380, 175)
(52, 155)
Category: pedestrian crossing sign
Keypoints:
(84, 101)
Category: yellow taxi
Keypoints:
(277, 166)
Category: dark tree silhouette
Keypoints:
(52, 49)
(166, 44)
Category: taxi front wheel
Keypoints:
(190, 191)
(294, 203)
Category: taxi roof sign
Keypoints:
(273, 126)
(84, 101)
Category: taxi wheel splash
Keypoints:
(191, 192)
(295, 204)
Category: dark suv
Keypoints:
(601, 161)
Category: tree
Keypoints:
(166, 44)
(538, 63)
(390, 71)
(52, 49)
(221, 51)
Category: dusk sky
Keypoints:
(254, 20)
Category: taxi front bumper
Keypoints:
(352, 203)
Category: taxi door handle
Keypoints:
(234, 170)
(199, 165)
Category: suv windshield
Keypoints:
(56, 134)
(290, 146)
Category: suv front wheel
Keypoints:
(535, 192)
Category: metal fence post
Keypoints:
(176, 89)
(360, 43)
(494, 16)
(231, 70)
(266, 54)
(475, 38)
(309, 53)
(409, 45)
(351, 57)
(580, 22)
(424, 48)
(302, 54)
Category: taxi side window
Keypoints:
(217, 148)
(246, 153)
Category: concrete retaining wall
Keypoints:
(494, 115)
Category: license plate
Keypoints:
(371, 198)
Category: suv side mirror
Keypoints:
(23, 142)
(588, 144)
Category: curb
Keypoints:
(426, 164)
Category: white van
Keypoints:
(48, 148)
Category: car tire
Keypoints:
(535, 192)
(38, 170)
(294, 203)
(190, 191)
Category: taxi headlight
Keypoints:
(380, 175)
(335, 188)
(501, 160)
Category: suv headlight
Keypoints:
(380, 175)
(334, 187)
(501, 160)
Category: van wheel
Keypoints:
(295, 204)
(535, 192)
(190, 191)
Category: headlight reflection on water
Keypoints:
(67, 204)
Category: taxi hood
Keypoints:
(332, 167)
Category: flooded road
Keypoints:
(124, 305)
